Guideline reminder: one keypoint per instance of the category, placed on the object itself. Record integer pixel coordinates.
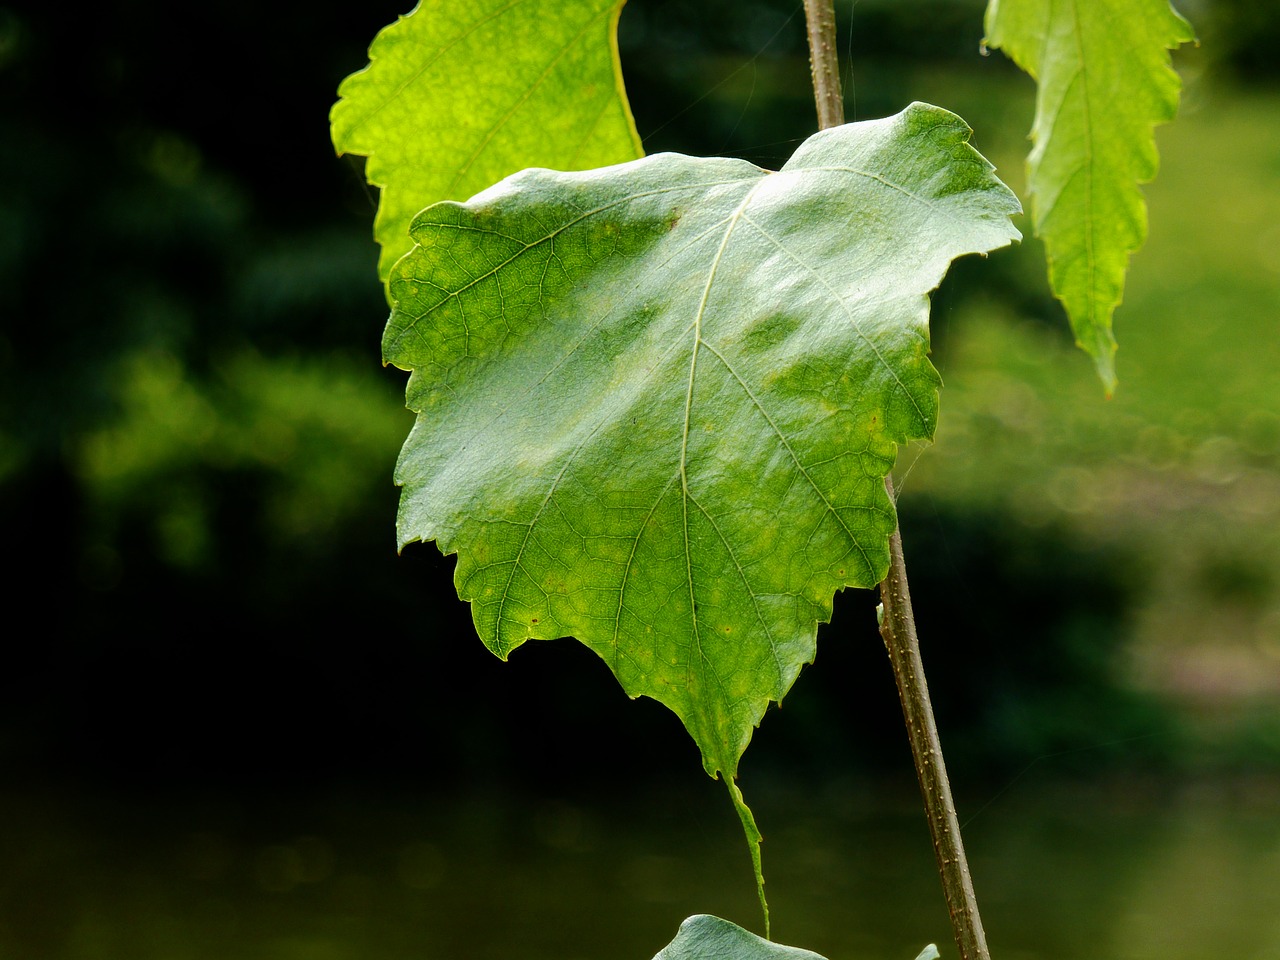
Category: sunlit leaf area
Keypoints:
(627, 441)
(236, 721)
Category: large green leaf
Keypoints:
(461, 93)
(1104, 82)
(657, 401)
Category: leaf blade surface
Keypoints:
(458, 95)
(657, 402)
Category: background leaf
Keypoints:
(657, 401)
(458, 95)
(1104, 82)
(710, 938)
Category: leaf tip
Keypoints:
(1182, 31)
(1104, 363)
(754, 840)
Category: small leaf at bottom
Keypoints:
(710, 938)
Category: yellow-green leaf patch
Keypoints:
(461, 93)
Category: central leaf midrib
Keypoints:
(696, 637)
(1091, 264)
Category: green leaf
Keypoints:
(1104, 82)
(710, 938)
(754, 839)
(461, 93)
(657, 401)
(705, 937)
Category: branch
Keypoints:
(898, 628)
(897, 624)
(820, 19)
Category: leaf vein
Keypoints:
(853, 319)
(742, 575)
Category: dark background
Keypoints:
(170, 201)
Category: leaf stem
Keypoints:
(824, 61)
(753, 843)
(898, 625)
(898, 628)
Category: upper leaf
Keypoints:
(461, 93)
(657, 401)
(1104, 81)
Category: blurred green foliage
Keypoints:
(196, 441)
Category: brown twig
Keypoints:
(898, 628)
(820, 20)
(897, 622)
